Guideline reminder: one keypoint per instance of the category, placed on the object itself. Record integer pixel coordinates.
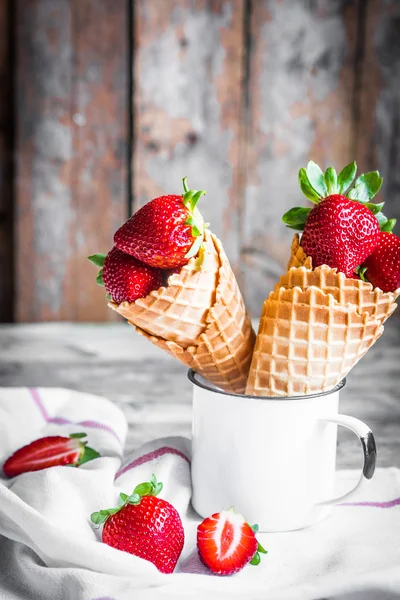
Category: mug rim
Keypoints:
(192, 378)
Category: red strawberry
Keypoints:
(226, 543)
(382, 268)
(126, 278)
(144, 525)
(342, 230)
(340, 233)
(52, 451)
(165, 232)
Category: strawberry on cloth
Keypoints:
(144, 525)
(50, 550)
(343, 229)
(50, 451)
(226, 543)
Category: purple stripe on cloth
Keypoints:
(62, 421)
(39, 403)
(151, 456)
(388, 504)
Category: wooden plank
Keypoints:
(378, 130)
(100, 141)
(71, 152)
(6, 133)
(301, 81)
(187, 106)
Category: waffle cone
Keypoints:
(314, 327)
(200, 319)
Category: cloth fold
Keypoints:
(50, 550)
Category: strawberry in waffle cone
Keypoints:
(200, 319)
(198, 316)
(320, 320)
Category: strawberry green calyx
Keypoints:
(257, 558)
(317, 185)
(361, 273)
(147, 488)
(98, 261)
(195, 219)
(87, 453)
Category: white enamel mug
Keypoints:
(272, 459)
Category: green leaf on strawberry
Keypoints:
(147, 488)
(257, 558)
(97, 259)
(122, 499)
(306, 187)
(99, 278)
(331, 180)
(366, 187)
(346, 178)
(389, 225)
(375, 208)
(361, 273)
(316, 179)
(296, 217)
(88, 454)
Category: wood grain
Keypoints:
(187, 106)
(6, 140)
(301, 84)
(71, 176)
(378, 131)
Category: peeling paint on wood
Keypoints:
(188, 72)
(71, 152)
(6, 134)
(378, 140)
(301, 85)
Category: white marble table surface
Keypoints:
(153, 391)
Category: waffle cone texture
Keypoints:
(199, 318)
(315, 326)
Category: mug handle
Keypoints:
(367, 440)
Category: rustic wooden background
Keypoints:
(105, 104)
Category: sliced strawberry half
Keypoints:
(226, 543)
(51, 451)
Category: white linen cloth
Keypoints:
(50, 550)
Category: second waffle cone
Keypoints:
(314, 328)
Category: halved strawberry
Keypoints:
(342, 230)
(226, 542)
(51, 451)
(166, 231)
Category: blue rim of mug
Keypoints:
(192, 378)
